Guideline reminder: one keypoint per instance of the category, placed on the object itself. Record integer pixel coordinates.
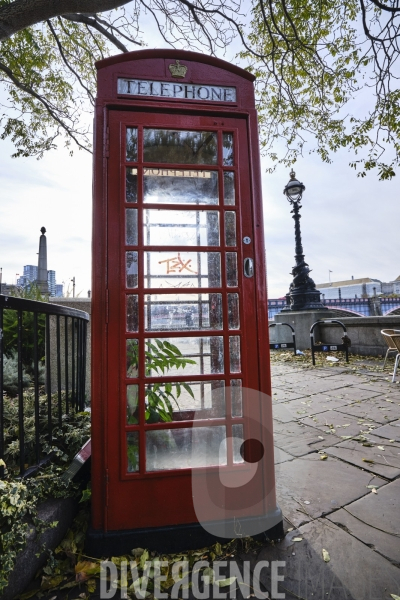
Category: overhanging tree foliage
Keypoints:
(48, 50)
(311, 58)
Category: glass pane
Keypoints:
(180, 312)
(131, 185)
(178, 401)
(238, 439)
(227, 149)
(231, 269)
(236, 397)
(181, 228)
(132, 442)
(132, 402)
(230, 228)
(187, 356)
(131, 227)
(185, 448)
(131, 143)
(178, 186)
(234, 353)
(229, 188)
(131, 269)
(132, 313)
(132, 358)
(181, 147)
(182, 269)
(233, 311)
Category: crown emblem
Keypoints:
(177, 70)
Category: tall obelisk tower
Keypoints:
(42, 264)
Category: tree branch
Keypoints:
(28, 90)
(24, 13)
(92, 22)
(392, 9)
(67, 64)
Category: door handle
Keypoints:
(248, 267)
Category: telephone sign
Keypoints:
(181, 378)
(137, 87)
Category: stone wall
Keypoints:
(364, 333)
(80, 304)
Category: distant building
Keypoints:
(22, 281)
(29, 276)
(351, 288)
(51, 282)
(59, 290)
(6, 288)
(392, 287)
(30, 272)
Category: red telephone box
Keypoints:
(180, 356)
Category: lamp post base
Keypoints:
(300, 299)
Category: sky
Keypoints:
(349, 225)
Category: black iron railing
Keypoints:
(56, 339)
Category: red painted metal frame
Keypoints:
(112, 490)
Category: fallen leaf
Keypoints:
(297, 539)
(145, 556)
(290, 529)
(306, 502)
(368, 460)
(374, 491)
(320, 437)
(69, 585)
(391, 441)
(50, 583)
(323, 456)
(225, 582)
(381, 447)
(395, 597)
(371, 487)
(208, 576)
(325, 555)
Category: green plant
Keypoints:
(10, 374)
(66, 438)
(161, 357)
(19, 498)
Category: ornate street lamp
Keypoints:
(303, 294)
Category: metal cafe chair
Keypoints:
(392, 339)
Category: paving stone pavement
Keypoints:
(337, 461)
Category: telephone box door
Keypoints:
(182, 330)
